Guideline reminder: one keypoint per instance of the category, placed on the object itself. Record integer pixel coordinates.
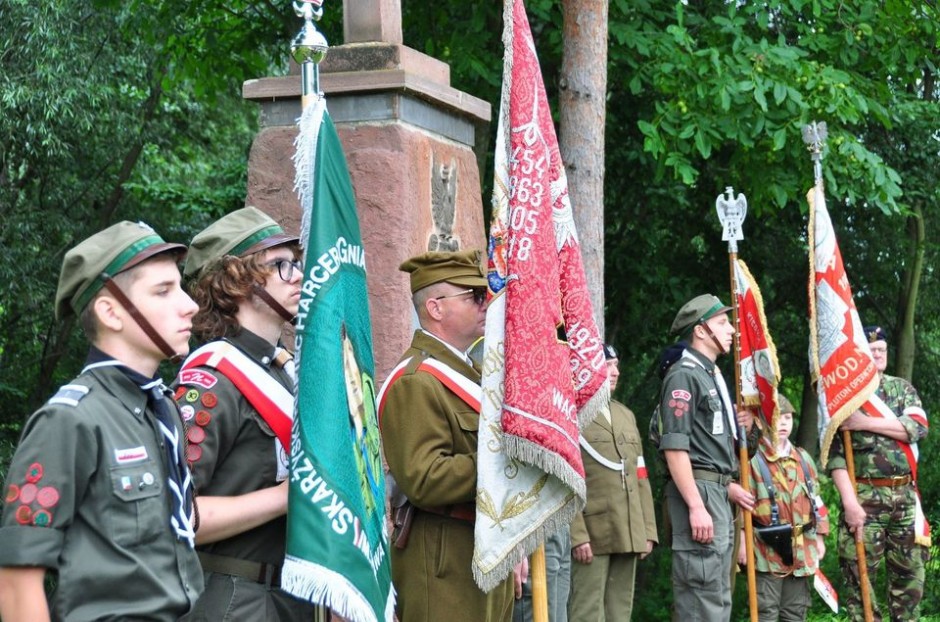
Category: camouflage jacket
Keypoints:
(795, 507)
(879, 456)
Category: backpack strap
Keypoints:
(769, 483)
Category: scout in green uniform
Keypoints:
(430, 438)
(698, 435)
(246, 279)
(98, 490)
(618, 526)
(784, 586)
(886, 505)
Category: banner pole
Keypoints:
(731, 213)
(539, 585)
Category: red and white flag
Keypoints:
(544, 373)
(840, 360)
(760, 371)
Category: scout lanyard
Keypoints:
(719, 382)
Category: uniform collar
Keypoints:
(258, 349)
(113, 376)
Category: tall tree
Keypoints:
(582, 113)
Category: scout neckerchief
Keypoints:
(179, 481)
(461, 386)
(876, 407)
(715, 373)
(269, 397)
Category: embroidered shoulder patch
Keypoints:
(69, 394)
(198, 377)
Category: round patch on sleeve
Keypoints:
(34, 473)
(42, 518)
(187, 411)
(13, 493)
(192, 395)
(47, 496)
(203, 417)
(195, 434)
(209, 400)
(193, 453)
(24, 515)
(28, 493)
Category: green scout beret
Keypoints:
(459, 268)
(784, 403)
(241, 233)
(118, 248)
(875, 333)
(697, 310)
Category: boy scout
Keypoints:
(698, 434)
(785, 484)
(98, 490)
(237, 394)
(429, 431)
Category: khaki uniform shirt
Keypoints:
(87, 495)
(430, 440)
(618, 517)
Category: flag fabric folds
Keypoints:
(760, 371)
(543, 366)
(840, 360)
(337, 540)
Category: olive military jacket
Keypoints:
(232, 450)
(429, 435)
(87, 495)
(618, 517)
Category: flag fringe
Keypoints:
(305, 160)
(560, 519)
(318, 584)
(534, 454)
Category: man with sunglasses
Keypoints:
(236, 393)
(429, 417)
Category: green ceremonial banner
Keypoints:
(337, 542)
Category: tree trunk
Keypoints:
(907, 305)
(582, 114)
(807, 434)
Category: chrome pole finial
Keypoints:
(815, 135)
(309, 47)
(731, 213)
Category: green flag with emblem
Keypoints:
(337, 543)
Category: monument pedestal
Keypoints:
(409, 139)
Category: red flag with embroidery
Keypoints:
(760, 372)
(544, 374)
(840, 361)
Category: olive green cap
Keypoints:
(784, 404)
(697, 310)
(459, 268)
(118, 248)
(243, 232)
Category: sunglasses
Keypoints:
(479, 295)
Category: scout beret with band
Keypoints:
(699, 309)
(240, 233)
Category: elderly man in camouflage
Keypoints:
(886, 506)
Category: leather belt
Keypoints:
(259, 572)
(885, 482)
(712, 476)
(460, 511)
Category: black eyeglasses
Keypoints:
(479, 295)
(286, 267)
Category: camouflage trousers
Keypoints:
(889, 535)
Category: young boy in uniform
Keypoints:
(98, 490)
(784, 481)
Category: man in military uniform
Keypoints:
(429, 421)
(618, 526)
(237, 395)
(98, 490)
(785, 484)
(886, 506)
(698, 436)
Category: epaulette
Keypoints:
(688, 364)
(69, 394)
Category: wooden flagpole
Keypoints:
(539, 585)
(731, 213)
